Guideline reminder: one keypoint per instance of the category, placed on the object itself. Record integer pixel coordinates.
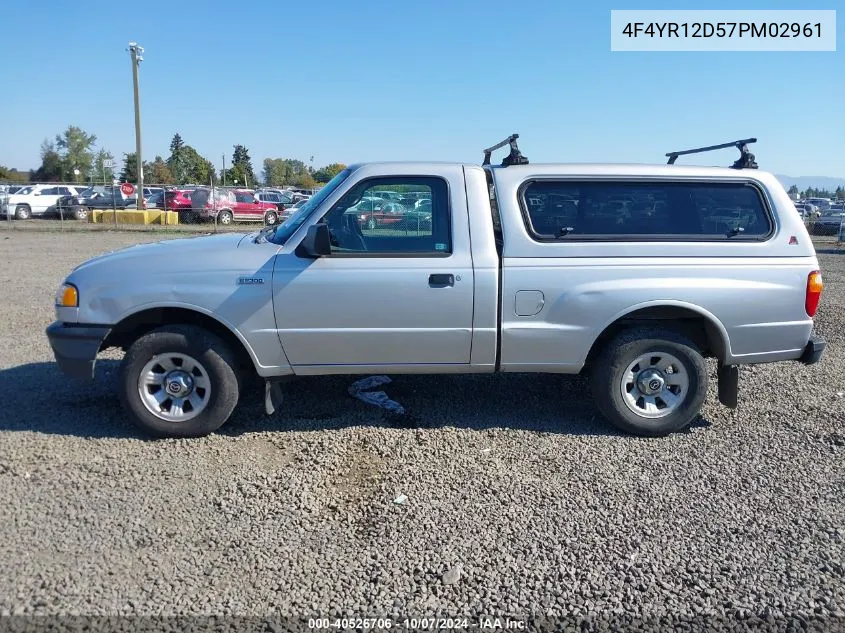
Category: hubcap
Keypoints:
(654, 385)
(174, 387)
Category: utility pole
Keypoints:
(223, 173)
(136, 53)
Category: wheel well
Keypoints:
(137, 325)
(698, 328)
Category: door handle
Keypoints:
(441, 281)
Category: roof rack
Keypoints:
(514, 158)
(745, 160)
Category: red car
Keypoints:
(248, 208)
(375, 212)
(176, 200)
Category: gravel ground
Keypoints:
(519, 499)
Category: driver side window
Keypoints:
(401, 215)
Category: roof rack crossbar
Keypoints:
(514, 158)
(745, 161)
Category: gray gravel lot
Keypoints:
(516, 491)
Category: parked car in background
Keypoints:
(823, 204)
(149, 192)
(177, 200)
(390, 196)
(280, 199)
(207, 204)
(372, 212)
(296, 205)
(247, 208)
(156, 200)
(36, 200)
(112, 198)
(828, 224)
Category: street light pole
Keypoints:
(136, 53)
(223, 173)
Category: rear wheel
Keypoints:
(23, 212)
(225, 217)
(650, 381)
(80, 213)
(179, 381)
(270, 218)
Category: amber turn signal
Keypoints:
(67, 296)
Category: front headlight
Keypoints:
(67, 296)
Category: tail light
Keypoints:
(814, 292)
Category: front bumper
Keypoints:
(75, 347)
(814, 350)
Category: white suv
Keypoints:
(36, 200)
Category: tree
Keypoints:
(793, 190)
(324, 174)
(10, 174)
(130, 168)
(840, 192)
(74, 147)
(286, 171)
(306, 181)
(158, 172)
(186, 165)
(51, 169)
(176, 160)
(99, 171)
(176, 143)
(198, 170)
(242, 166)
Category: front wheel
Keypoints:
(23, 212)
(80, 213)
(371, 224)
(650, 381)
(225, 217)
(270, 218)
(179, 381)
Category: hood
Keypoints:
(183, 253)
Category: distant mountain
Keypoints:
(816, 182)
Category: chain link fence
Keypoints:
(69, 206)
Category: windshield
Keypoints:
(288, 227)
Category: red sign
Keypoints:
(127, 188)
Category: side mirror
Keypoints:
(36, 193)
(317, 242)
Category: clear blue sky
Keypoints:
(389, 80)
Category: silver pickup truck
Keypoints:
(634, 274)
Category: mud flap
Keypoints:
(273, 396)
(728, 385)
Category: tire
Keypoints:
(225, 217)
(270, 218)
(183, 357)
(23, 212)
(80, 213)
(649, 381)
(371, 224)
